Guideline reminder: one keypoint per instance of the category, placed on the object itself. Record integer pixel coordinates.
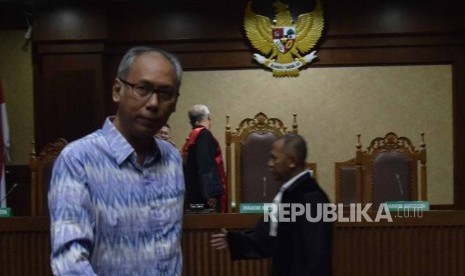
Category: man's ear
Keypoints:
(292, 160)
(116, 91)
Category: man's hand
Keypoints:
(211, 202)
(219, 241)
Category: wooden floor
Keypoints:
(431, 245)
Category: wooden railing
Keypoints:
(431, 245)
(25, 246)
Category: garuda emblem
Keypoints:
(284, 41)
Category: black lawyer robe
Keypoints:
(301, 248)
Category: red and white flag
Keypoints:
(4, 145)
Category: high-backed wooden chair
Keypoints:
(348, 189)
(392, 169)
(41, 166)
(247, 153)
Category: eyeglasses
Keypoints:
(145, 91)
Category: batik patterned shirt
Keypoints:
(112, 216)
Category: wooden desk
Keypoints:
(432, 245)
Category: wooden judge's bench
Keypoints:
(433, 244)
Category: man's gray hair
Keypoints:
(295, 144)
(197, 113)
(134, 52)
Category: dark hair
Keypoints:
(295, 144)
(128, 59)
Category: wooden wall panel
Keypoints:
(201, 260)
(203, 20)
(79, 46)
(25, 246)
(139, 21)
(432, 245)
(67, 21)
(459, 127)
(415, 250)
(69, 100)
(355, 17)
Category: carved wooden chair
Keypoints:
(41, 166)
(348, 189)
(392, 169)
(247, 154)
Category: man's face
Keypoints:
(208, 122)
(142, 118)
(280, 163)
(164, 133)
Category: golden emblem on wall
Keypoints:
(283, 41)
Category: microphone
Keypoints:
(399, 184)
(8, 193)
(264, 186)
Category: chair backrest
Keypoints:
(392, 170)
(348, 189)
(41, 166)
(247, 153)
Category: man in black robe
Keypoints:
(297, 248)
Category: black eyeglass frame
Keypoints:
(164, 94)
